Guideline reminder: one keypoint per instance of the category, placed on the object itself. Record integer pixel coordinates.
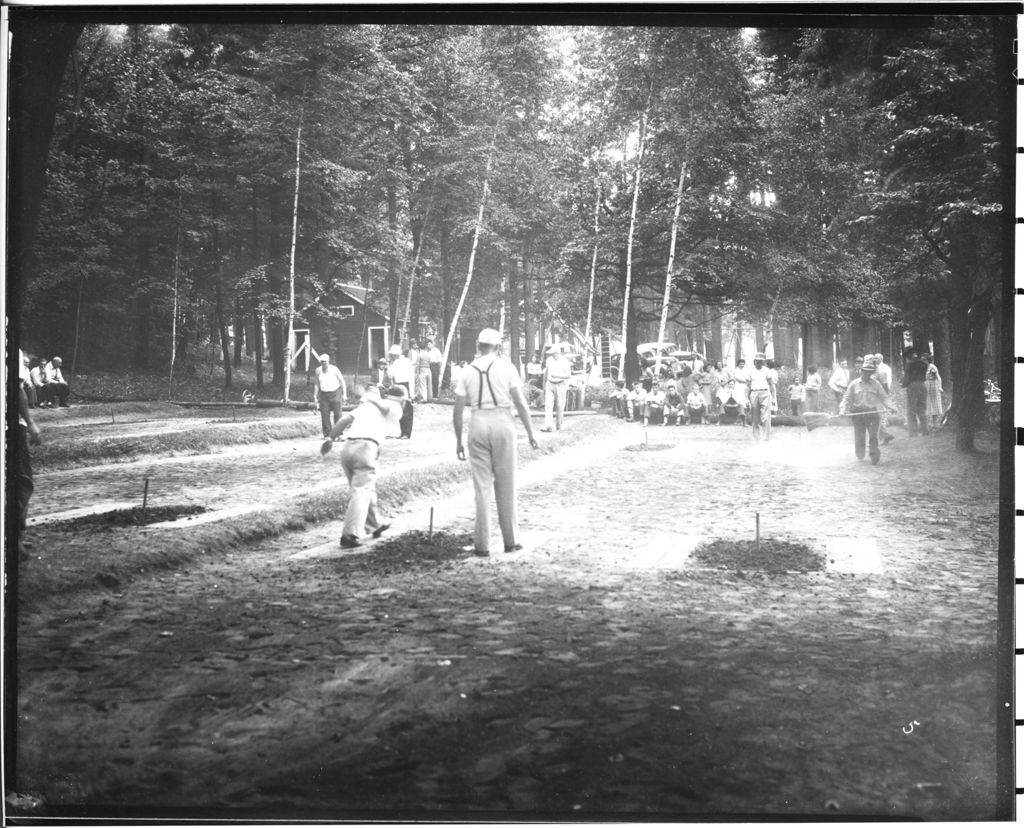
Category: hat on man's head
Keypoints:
(395, 350)
(58, 360)
(869, 366)
(758, 356)
(488, 336)
(325, 356)
(382, 361)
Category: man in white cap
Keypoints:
(865, 400)
(762, 398)
(368, 424)
(330, 393)
(490, 386)
(557, 372)
(402, 372)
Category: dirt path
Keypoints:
(601, 671)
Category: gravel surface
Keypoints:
(605, 670)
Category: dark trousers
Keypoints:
(56, 393)
(917, 405)
(405, 424)
(435, 379)
(330, 406)
(866, 424)
(794, 406)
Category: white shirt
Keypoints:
(368, 422)
(557, 368)
(883, 373)
(761, 379)
(813, 382)
(435, 355)
(695, 399)
(330, 379)
(401, 370)
(840, 379)
(473, 385)
(51, 373)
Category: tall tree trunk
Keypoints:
(257, 339)
(239, 328)
(222, 329)
(276, 341)
(667, 295)
(444, 241)
(759, 337)
(513, 312)
(291, 266)
(627, 291)
(78, 324)
(529, 323)
(716, 336)
(476, 241)
(738, 342)
(593, 261)
(174, 309)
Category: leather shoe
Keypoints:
(349, 541)
(481, 553)
(514, 547)
(380, 530)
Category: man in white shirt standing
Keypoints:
(330, 393)
(839, 381)
(402, 372)
(490, 386)
(367, 426)
(435, 367)
(883, 374)
(762, 399)
(557, 372)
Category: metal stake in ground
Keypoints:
(145, 495)
(430, 533)
(757, 531)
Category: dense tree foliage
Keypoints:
(837, 176)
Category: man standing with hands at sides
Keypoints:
(400, 371)
(557, 372)
(762, 398)
(839, 380)
(367, 426)
(435, 368)
(490, 386)
(330, 393)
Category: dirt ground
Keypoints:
(603, 671)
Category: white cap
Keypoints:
(489, 336)
(395, 350)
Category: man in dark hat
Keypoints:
(865, 400)
(368, 424)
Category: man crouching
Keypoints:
(367, 426)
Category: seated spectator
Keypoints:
(732, 408)
(616, 399)
(797, 394)
(675, 405)
(635, 400)
(696, 408)
(687, 381)
(654, 406)
(55, 384)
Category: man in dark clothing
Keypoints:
(914, 372)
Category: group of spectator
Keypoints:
(699, 394)
(44, 384)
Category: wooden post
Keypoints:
(757, 530)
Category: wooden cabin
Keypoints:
(355, 334)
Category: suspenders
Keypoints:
(480, 396)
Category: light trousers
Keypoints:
(423, 383)
(761, 414)
(492, 458)
(359, 460)
(554, 402)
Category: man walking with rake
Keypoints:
(865, 400)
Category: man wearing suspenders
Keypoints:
(490, 386)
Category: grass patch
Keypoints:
(71, 453)
(136, 516)
(771, 556)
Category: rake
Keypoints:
(814, 419)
